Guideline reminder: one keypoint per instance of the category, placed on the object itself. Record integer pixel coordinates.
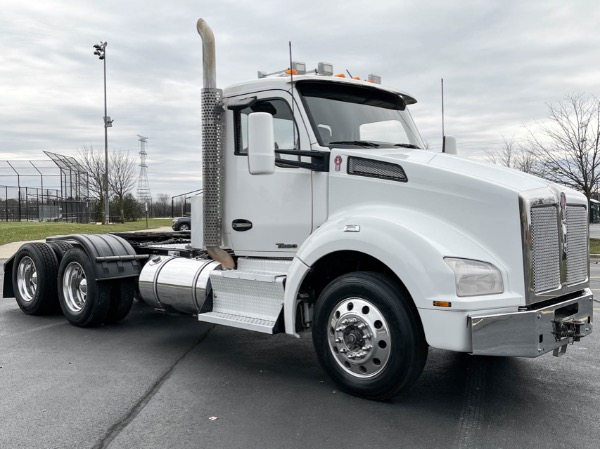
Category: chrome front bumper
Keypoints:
(535, 332)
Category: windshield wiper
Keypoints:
(407, 145)
(360, 143)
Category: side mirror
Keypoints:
(261, 144)
(449, 145)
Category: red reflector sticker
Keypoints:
(338, 162)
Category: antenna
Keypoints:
(292, 92)
(443, 132)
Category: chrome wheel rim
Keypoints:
(74, 287)
(27, 279)
(359, 338)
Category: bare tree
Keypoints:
(121, 173)
(505, 155)
(512, 154)
(162, 205)
(121, 176)
(93, 162)
(568, 144)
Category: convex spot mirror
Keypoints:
(449, 145)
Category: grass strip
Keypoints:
(18, 231)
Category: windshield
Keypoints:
(344, 115)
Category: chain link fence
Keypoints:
(46, 190)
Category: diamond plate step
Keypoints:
(239, 321)
(248, 299)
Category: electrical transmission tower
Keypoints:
(143, 190)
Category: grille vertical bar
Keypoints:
(545, 255)
(577, 244)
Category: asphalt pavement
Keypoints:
(156, 381)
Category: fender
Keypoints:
(412, 244)
(113, 257)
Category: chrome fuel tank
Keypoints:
(176, 282)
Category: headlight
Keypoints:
(474, 277)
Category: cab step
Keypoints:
(250, 297)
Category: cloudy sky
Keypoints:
(502, 62)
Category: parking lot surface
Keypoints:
(156, 381)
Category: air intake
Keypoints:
(376, 169)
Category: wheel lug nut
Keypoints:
(362, 326)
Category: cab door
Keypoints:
(267, 215)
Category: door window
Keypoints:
(285, 132)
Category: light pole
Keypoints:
(101, 53)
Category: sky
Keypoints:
(503, 63)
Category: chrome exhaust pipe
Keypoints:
(212, 150)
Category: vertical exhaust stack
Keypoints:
(212, 150)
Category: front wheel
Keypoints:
(368, 336)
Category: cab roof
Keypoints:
(283, 83)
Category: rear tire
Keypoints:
(84, 301)
(122, 293)
(34, 279)
(368, 336)
(60, 247)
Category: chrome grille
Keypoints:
(545, 255)
(577, 244)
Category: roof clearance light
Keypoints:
(291, 72)
(299, 67)
(325, 69)
(374, 79)
(341, 75)
(356, 78)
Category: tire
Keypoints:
(183, 227)
(122, 293)
(84, 301)
(368, 336)
(34, 279)
(60, 247)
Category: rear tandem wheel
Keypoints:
(34, 279)
(85, 302)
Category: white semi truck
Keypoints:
(322, 211)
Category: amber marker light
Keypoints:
(442, 304)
